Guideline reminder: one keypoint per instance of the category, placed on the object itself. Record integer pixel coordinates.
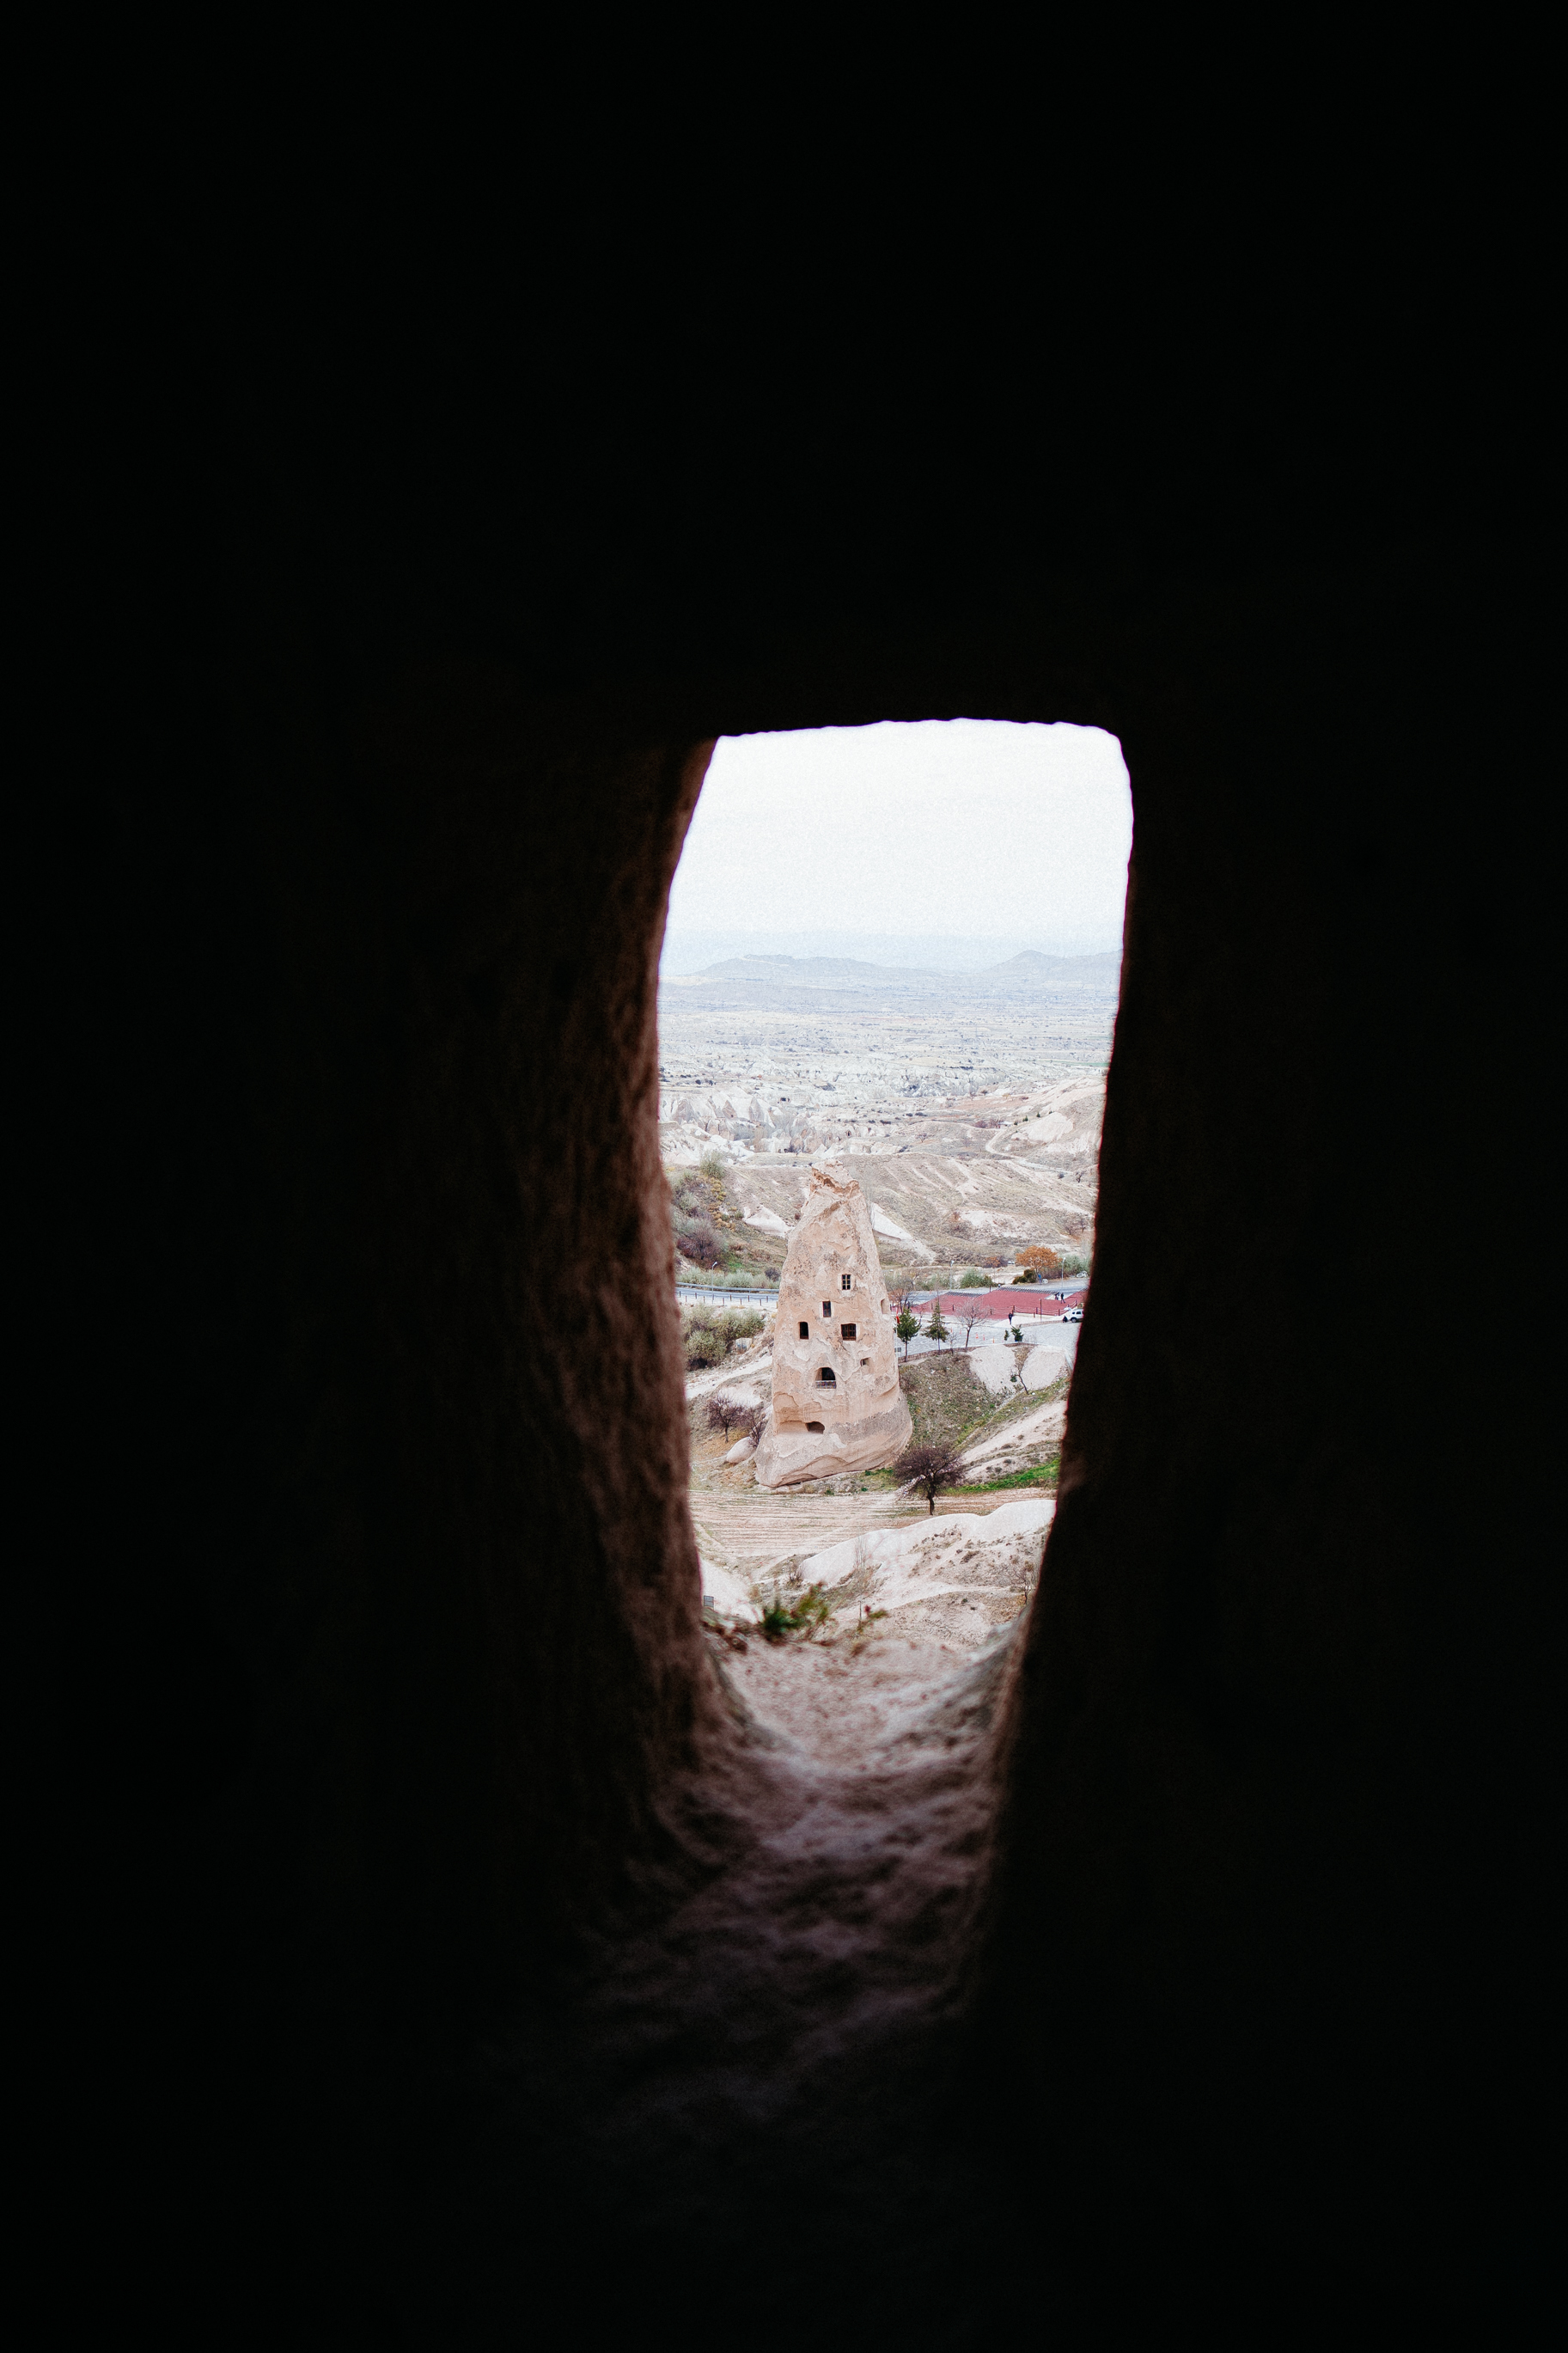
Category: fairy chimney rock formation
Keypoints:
(837, 1403)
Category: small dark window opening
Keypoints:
(850, 1332)
(818, 1426)
(805, 1331)
(827, 1307)
(828, 1377)
(846, 1283)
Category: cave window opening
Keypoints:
(951, 1022)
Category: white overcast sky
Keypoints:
(974, 832)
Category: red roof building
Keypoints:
(1020, 1299)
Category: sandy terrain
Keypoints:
(1030, 1438)
(967, 1105)
(842, 1704)
(749, 1528)
(953, 1577)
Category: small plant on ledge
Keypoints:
(804, 1616)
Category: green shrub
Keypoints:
(708, 1337)
(803, 1616)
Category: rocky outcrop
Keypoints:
(837, 1403)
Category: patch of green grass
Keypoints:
(1044, 1475)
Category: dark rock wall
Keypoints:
(1258, 1954)
(477, 1606)
(1254, 1778)
(1260, 1790)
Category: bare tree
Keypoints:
(729, 1414)
(968, 1316)
(930, 1469)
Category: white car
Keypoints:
(1073, 1315)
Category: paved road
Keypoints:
(1048, 1331)
(1045, 1331)
(690, 1295)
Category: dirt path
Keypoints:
(741, 1528)
(846, 1705)
(749, 1530)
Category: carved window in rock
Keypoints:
(846, 1283)
(849, 1332)
(827, 1309)
(828, 1377)
(817, 1427)
(805, 1331)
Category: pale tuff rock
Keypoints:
(837, 1403)
(995, 1366)
(957, 1580)
(882, 1224)
(722, 1591)
(1006, 1451)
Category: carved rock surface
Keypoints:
(837, 1403)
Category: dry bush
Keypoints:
(732, 1417)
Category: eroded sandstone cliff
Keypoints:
(836, 1404)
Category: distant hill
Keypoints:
(811, 972)
(1037, 971)
(1027, 970)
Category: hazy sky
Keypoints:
(969, 830)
